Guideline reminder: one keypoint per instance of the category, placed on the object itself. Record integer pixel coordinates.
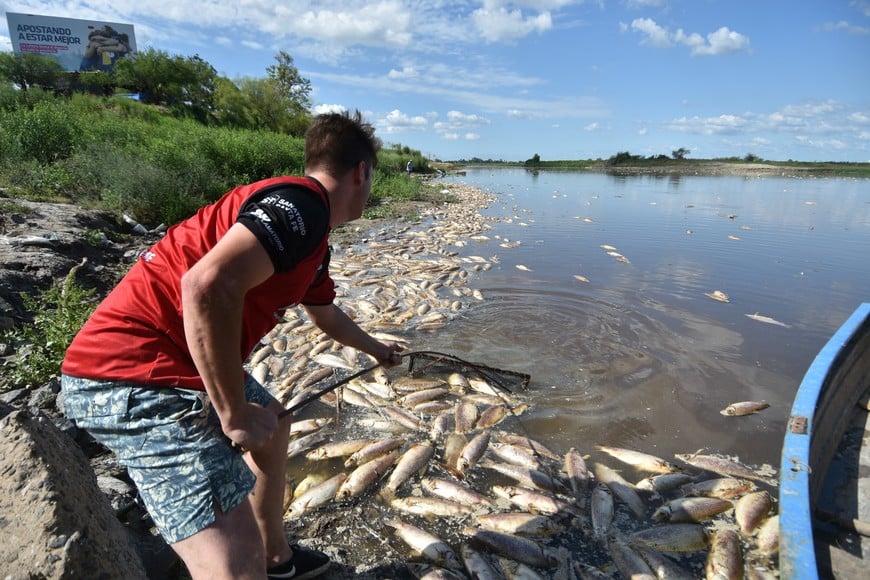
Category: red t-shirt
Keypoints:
(137, 334)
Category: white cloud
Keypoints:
(655, 35)
(324, 108)
(506, 25)
(471, 137)
(591, 127)
(457, 122)
(385, 23)
(844, 25)
(722, 41)
(398, 122)
(407, 72)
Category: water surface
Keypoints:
(639, 356)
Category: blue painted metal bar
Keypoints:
(831, 386)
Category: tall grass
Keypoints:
(123, 156)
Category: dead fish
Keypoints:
(576, 472)
(662, 566)
(725, 558)
(672, 537)
(516, 455)
(691, 509)
(520, 523)
(364, 476)
(300, 445)
(458, 382)
(721, 487)
(717, 295)
(423, 396)
(767, 540)
(425, 543)
(620, 488)
(514, 547)
(372, 450)
(491, 416)
(536, 446)
(430, 506)
(453, 447)
(412, 461)
(335, 449)
(441, 425)
(466, 416)
(513, 570)
(601, 507)
(403, 417)
(476, 564)
(580, 278)
(663, 482)
(331, 360)
(473, 451)
(608, 248)
(721, 466)
(535, 501)
(751, 509)
(525, 476)
(448, 489)
(308, 425)
(640, 460)
(316, 496)
(523, 268)
(767, 320)
(629, 563)
(744, 408)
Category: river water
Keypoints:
(639, 356)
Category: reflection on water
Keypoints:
(639, 356)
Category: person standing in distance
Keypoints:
(156, 373)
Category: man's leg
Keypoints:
(269, 465)
(229, 548)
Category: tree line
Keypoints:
(187, 85)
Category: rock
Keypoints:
(56, 522)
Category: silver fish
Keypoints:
(725, 558)
(744, 408)
(640, 460)
(620, 488)
(473, 451)
(722, 466)
(663, 482)
(535, 501)
(520, 523)
(448, 489)
(578, 474)
(601, 507)
(751, 509)
(425, 543)
(335, 449)
(476, 564)
(691, 509)
(364, 476)
(430, 506)
(525, 476)
(465, 417)
(316, 496)
(514, 547)
(721, 487)
(629, 563)
(516, 455)
(412, 461)
(767, 320)
(372, 450)
(672, 537)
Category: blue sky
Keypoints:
(566, 79)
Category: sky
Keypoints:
(564, 79)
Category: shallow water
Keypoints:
(639, 357)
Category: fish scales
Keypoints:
(473, 451)
(316, 496)
(430, 506)
(426, 544)
(721, 466)
(449, 489)
(520, 523)
(535, 501)
(476, 564)
(525, 476)
(691, 509)
(620, 488)
(629, 563)
(601, 508)
(640, 460)
(516, 455)
(576, 472)
(514, 547)
(672, 537)
(412, 461)
(364, 476)
(373, 450)
(751, 509)
(725, 557)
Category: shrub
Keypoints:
(59, 313)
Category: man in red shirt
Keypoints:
(156, 373)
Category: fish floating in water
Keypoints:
(744, 408)
(717, 295)
(768, 320)
(523, 268)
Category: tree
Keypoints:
(166, 80)
(680, 153)
(30, 70)
(535, 160)
(292, 87)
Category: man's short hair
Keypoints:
(337, 142)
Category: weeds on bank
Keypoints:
(58, 314)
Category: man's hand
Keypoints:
(250, 427)
(389, 355)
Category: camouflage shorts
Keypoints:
(171, 442)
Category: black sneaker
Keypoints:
(304, 564)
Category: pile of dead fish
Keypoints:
(455, 480)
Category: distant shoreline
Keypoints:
(687, 167)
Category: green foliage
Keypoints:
(395, 158)
(30, 70)
(680, 153)
(534, 161)
(44, 133)
(59, 313)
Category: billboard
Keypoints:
(75, 44)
